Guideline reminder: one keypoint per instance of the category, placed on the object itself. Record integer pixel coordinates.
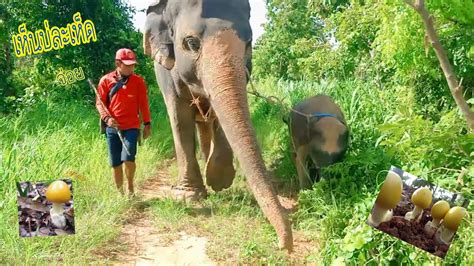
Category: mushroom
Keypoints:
(450, 224)
(438, 211)
(58, 193)
(388, 198)
(421, 198)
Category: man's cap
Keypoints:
(127, 56)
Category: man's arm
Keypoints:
(102, 90)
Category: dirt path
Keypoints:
(142, 243)
(148, 246)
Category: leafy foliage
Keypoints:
(371, 57)
(32, 78)
(368, 55)
(384, 131)
(371, 40)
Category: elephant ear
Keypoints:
(157, 42)
(157, 6)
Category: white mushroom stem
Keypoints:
(431, 226)
(379, 215)
(57, 215)
(57, 208)
(435, 222)
(414, 214)
(446, 235)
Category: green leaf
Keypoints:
(338, 262)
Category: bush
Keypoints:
(384, 131)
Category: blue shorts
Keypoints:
(117, 153)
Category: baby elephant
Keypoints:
(320, 137)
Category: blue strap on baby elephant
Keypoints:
(320, 115)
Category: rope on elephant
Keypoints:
(285, 110)
(273, 99)
(197, 102)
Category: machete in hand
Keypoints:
(108, 113)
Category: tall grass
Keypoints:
(45, 143)
(334, 212)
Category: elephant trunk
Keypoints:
(222, 71)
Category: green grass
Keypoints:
(43, 143)
(46, 142)
(334, 212)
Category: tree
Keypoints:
(6, 61)
(33, 77)
(371, 40)
(454, 85)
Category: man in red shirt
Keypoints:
(128, 100)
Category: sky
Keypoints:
(257, 15)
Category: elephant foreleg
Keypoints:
(182, 120)
(184, 132)
(303, 175)
(314, 170)
(220, 172)
(205, 137)
(191, 186)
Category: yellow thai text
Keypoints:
(41, 41)
(66, 77)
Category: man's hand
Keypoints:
(112, 122)
(146, 131)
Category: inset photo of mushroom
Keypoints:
(418, 212)
(45, 208)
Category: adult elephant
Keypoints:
(202, 51)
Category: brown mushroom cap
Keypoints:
(58, 192)
(453, 218)
(422, 197)
(390, 192)
(439, 209)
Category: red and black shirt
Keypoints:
(129, 101)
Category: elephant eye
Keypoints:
(192, 43)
